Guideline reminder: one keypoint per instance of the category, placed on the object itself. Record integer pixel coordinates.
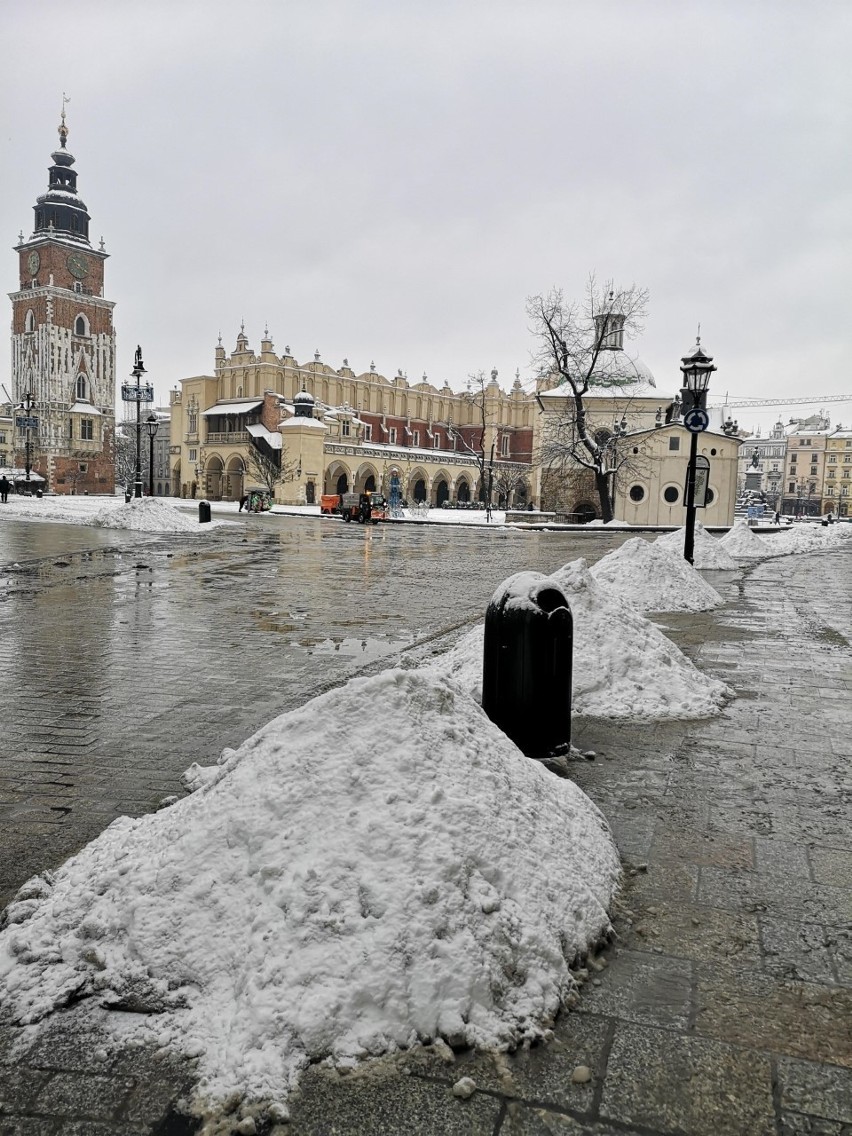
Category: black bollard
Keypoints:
(203, 512)
(526, 674)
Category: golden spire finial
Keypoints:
(63, 129)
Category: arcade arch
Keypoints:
(338, 478)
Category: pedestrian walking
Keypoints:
(5, 486)
(243, 501)
(777, 517)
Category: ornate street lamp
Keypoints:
(29, 423)
(152, 425)
(697, 367)
(138, 392)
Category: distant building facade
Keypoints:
(338, 431)
(837, 485)
(63, 342)
(805, 467)
(366, 430)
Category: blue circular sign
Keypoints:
(696, 420)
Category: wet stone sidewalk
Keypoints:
(723, 1006)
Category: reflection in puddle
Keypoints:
(357, 648)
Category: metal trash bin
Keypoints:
(526, 674)
(203, 512)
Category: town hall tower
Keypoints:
(63, 342)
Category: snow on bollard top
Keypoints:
(651, 577)
(707, 551)
(336, 886)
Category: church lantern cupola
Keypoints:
(60, 211)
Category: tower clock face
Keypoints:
(33, 262)
(77, 265)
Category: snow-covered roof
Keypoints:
(272, 438)
(234, 406)
(295, 422)
(84, 408)
(19, 474)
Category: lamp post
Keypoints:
(152, 425)
(138, 393)
(697, 367)
(27, 420)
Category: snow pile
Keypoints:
(707, 551)
(146, 514)
(651, 577)
(838, 534)
(345, 883)
(624, 666)
(742, 542)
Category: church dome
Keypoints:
(616, 366)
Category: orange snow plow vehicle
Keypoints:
(365, 508)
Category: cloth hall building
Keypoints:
(338, 431)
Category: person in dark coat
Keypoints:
(5, 486)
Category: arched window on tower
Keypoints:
(81, 325)
(80, 390)
(29, 322)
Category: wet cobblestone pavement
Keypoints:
(724, 1005)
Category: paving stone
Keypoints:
(674, 845)
(642, 988)
(692, 931)
(674, 1083)
(370, 1102)
(797, 1124)
(20, 1085)
(523, 1120)
(28, 1126)
(799, 1019)
(797, 950)
(83, 1095)
(831, 866)
(762, 891)
(781, 857)
(823, 1091)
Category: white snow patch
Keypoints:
(743, 542)
(337, 886)
(651, 577)
(146, 514)
(624, 666)
(143, 514)
(707, 551)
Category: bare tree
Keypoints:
(507, 479)
(578, 349)
(473, 441)
(124, 457)
(269, 466)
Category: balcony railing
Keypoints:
(228, 438)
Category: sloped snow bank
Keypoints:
(345, 883)
(651, 577)
(708, 552)
(147, 514)
(743, 542)
(624, 666)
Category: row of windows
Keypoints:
(81, 324)
(671, 494)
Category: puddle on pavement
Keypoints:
(365, 649)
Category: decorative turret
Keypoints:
(60, 212)
(303, 404)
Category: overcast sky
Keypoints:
(390, 180)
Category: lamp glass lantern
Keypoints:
(152, 425)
